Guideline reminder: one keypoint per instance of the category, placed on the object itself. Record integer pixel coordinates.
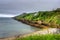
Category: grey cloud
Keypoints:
(19, 6)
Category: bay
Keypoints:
(10, 27)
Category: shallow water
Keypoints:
(11, 27)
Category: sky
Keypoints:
(5, 15)
(16, 7)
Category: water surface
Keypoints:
(10, 27)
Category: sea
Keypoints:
(10, 27)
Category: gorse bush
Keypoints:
(41, 37)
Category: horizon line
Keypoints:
(7, 15)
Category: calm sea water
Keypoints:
(10, 27)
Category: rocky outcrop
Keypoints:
(39, 24)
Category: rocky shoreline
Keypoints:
(38, 24)
(40, 32)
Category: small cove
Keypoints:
(10, 27)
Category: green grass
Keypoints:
(45, 16)
(42, 37)
(52, 17)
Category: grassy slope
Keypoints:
(42, 37)
(52, 17)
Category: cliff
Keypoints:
(41, 19)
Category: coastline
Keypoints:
(38, 24)
(42, 32)
(47, 28)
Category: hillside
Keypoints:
(41, 18)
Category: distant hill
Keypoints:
(52, 17)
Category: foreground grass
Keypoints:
(42, 37)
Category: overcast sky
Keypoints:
(15, 7)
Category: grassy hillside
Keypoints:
(52, 17)
(41, 37)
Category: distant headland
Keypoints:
(41, 19)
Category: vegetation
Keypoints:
(42, 37)
(52, 17)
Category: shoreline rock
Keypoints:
(38, 24)
(44, 31)
(40, 32)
